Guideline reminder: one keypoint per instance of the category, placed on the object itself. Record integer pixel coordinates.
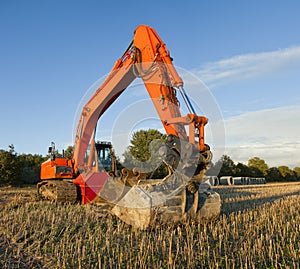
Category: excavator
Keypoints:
(90, 176)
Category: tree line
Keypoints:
(19, 169)
(256, 167)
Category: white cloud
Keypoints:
(247, 65)
(271, 134)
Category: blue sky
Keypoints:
(246, 52)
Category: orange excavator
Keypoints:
(91, 176)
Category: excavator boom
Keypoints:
(147, 58)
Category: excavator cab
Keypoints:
(106, 160)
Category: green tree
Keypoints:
(19, 169)
(274, 174)
(140, 143)
(258, 165)
(242, 170)
(30, 167)
(69, 152)
(287, 173)
(12, 149)
(297, 172)
(226, 166)
(143, 152)
(9, 167)
(255, 172)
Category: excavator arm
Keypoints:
(148, 58)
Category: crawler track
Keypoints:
(58, 191)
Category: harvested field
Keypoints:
(258, 228)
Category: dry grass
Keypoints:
(259, 228)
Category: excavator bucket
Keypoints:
(135, 208)
(162, 201)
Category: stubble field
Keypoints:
(259, 227)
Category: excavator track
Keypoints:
(58, 191)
